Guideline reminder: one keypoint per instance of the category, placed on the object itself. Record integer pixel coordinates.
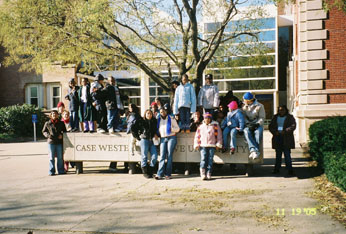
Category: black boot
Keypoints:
(150, 171)
(145, 172)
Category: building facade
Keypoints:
(318, 82)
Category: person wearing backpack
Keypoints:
(208, 138)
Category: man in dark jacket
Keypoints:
(53, 130)
(113, 104)
(99, 97)
(72, 96)
(282, 127)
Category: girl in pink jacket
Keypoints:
(208, 138)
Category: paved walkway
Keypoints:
(102, 202)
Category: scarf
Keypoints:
(54, 121)
(168, 126)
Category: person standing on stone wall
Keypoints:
(185, 102)
(87, 112)
(73, 97)
(114, 105)
(99, 96)
(208, 96)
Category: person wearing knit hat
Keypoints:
(154, 108)
(208, 137)
(61, 108)
(254, 114)
(233, 125)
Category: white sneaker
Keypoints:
(208, 176)
(100, 130)
(256, 155)
(252, 155)
(117, 130)
(111, 131)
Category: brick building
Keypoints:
(318, 70)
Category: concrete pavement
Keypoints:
(102, 202)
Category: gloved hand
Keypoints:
(252, 126)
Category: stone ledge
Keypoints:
(316, 15)
(317, 75)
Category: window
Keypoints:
(56, 95)
(33, 95)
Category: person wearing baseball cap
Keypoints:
(99, 97)
(208, 96)
(254, 119)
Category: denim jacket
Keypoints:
(234, 119)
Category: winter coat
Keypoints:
(131, 120)
(208, 97)
(288, 129)
(99, 97)
(90, 113)
(73, 97)
(146, 129)
(52, 131)
(254, 113)
(111, 99)
(234, 119)
(208, 135)
(185, 96)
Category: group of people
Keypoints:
(215, 120)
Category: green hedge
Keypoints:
(328, 147)
(17, 120)
(328, 135)
(335, 168)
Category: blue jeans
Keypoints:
(287, 154)
(230, 131)
(185, 117)
(148, 146)
(52, 150)
(112, 117)
(167, 146)
(74, 121)
(207, 156)
(253, 138)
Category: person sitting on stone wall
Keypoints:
(254, 114)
